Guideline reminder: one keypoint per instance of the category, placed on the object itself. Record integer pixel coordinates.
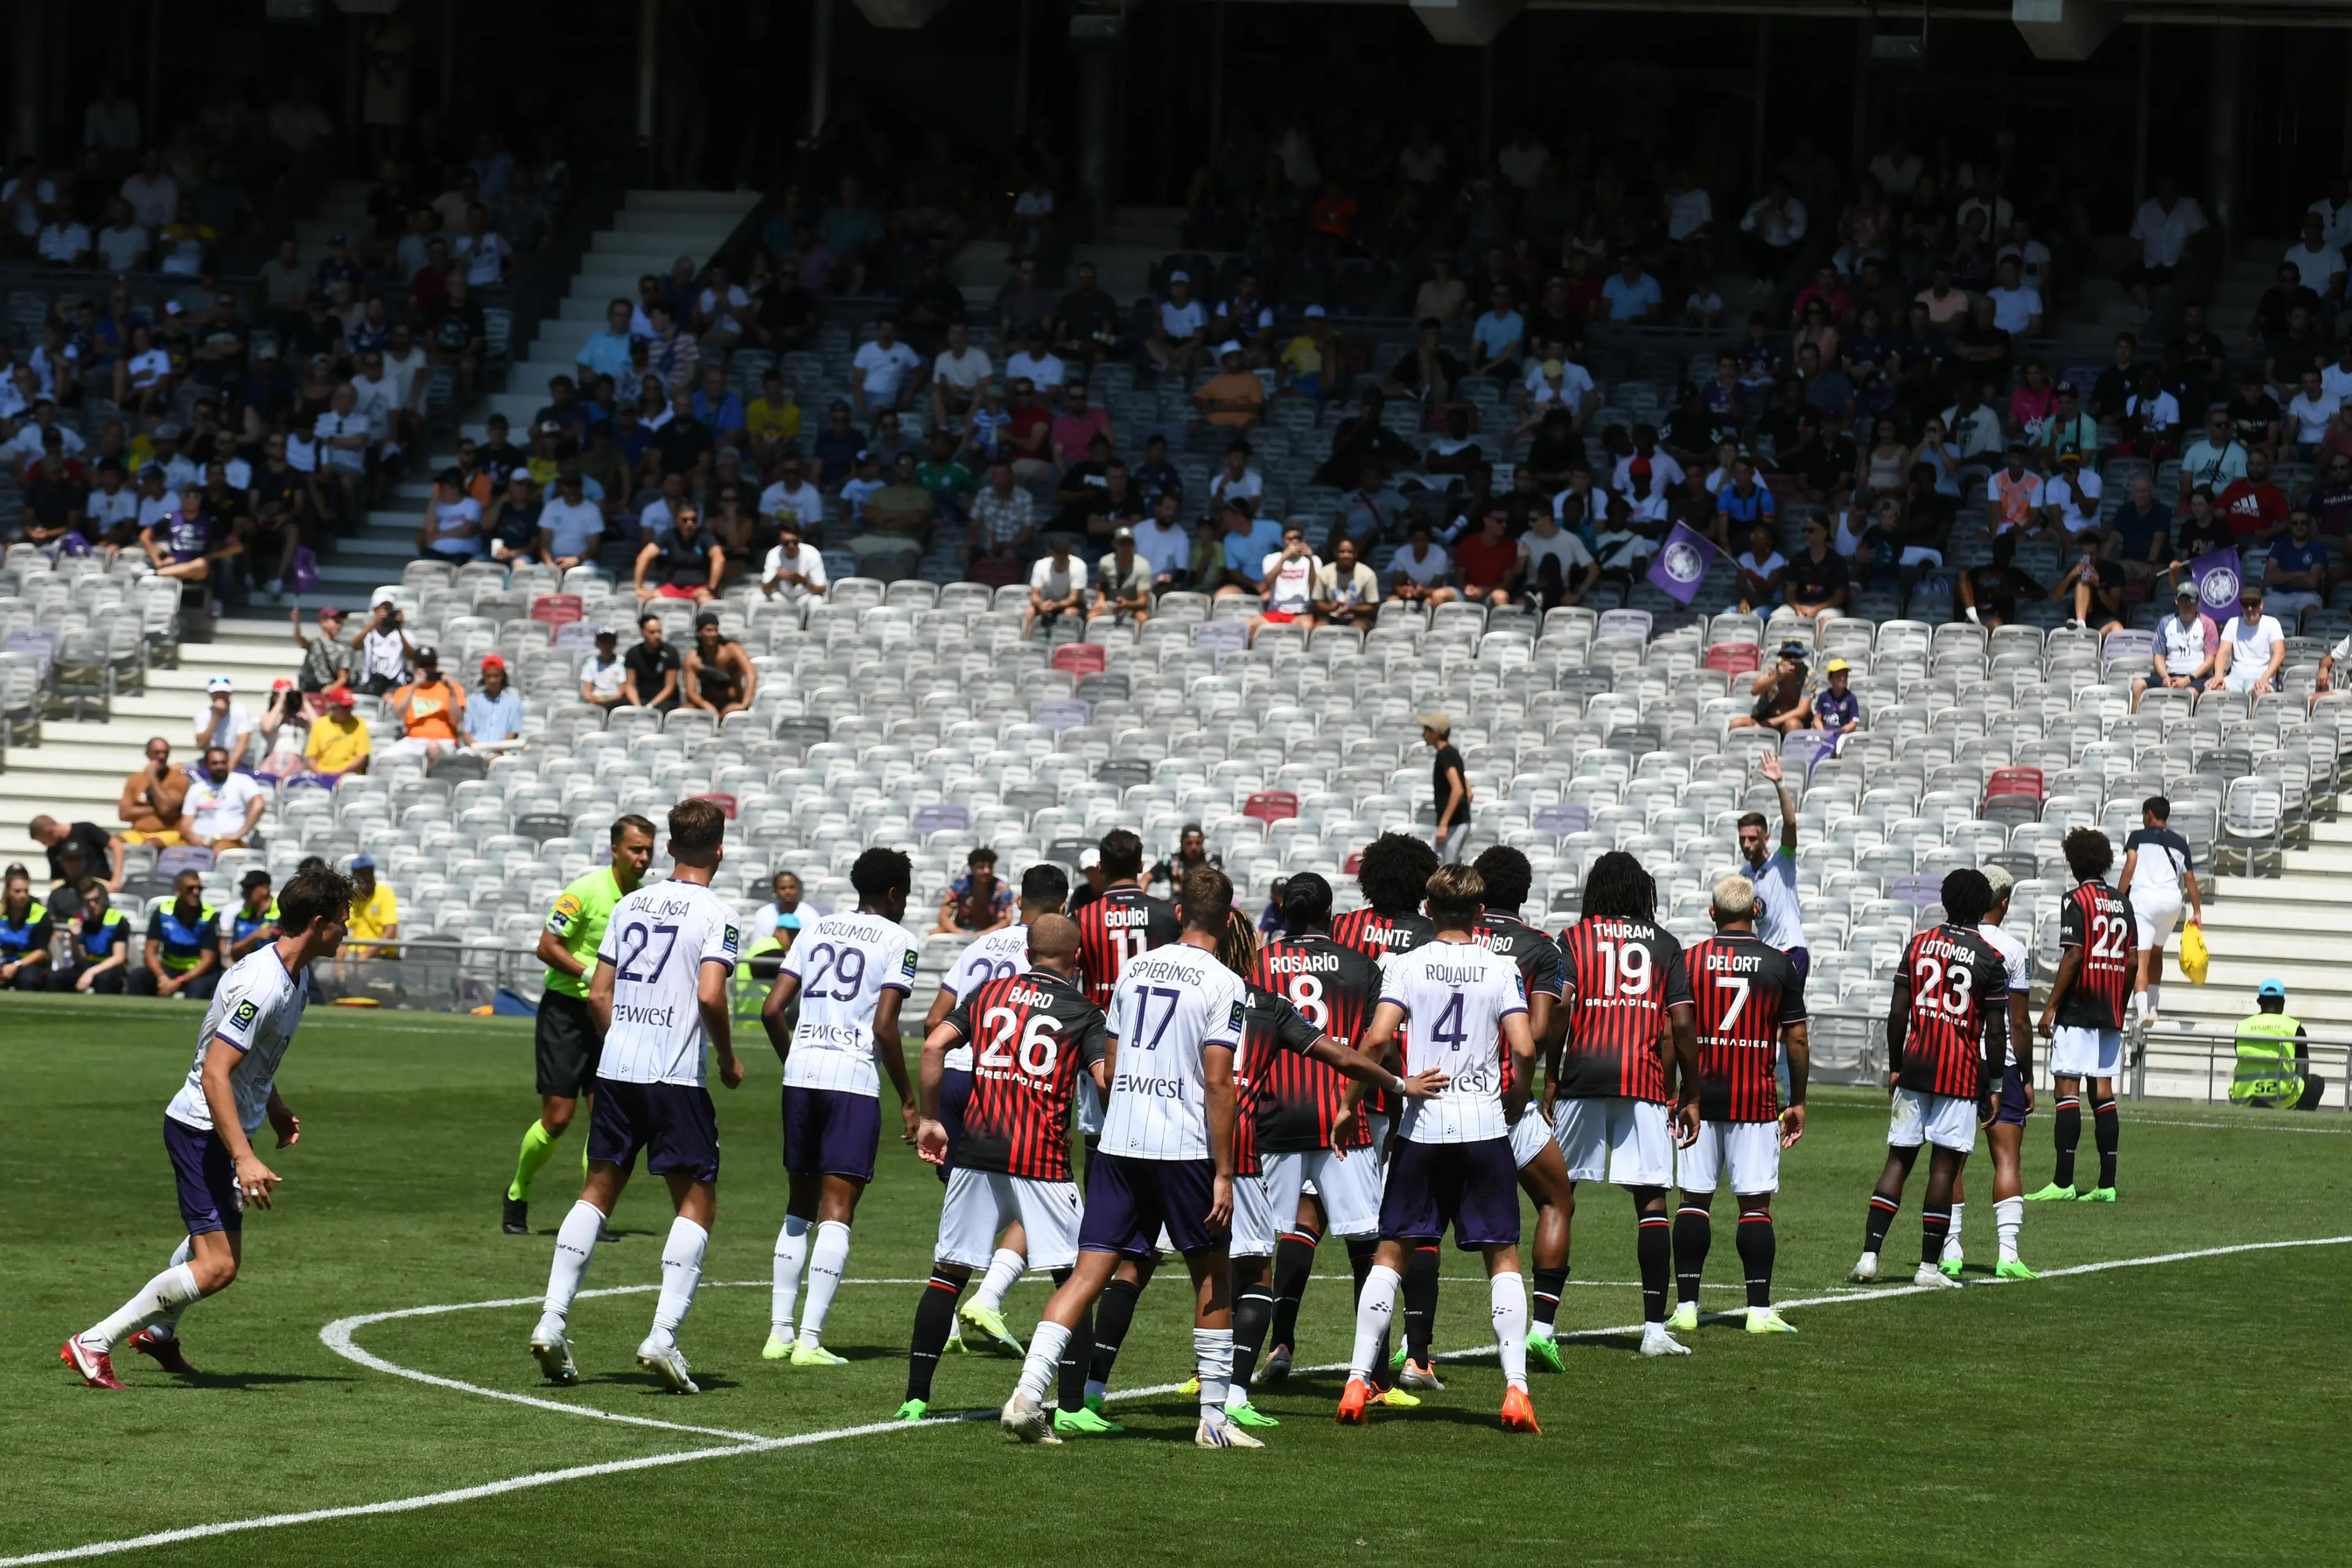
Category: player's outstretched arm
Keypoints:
(890, 1051)
(1217, 1094)
(600, 996)
(771, 1011)
(712, 1000)
(1365, 1069)
(1376, 1042)
(253, 1179)
(1796, 1045)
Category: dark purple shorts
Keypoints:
(1128, 1200)
(955, 1088)
(672, 1122)
(206, 1178)
(2012, 1098)
(831, 1132)
(1473, 1187)
(1802, 957)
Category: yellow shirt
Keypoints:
(1304, 355)
(337, 745)
(374, 915)
(765, 419)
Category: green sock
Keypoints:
(538, 1148)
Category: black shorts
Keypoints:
(672, 1124)
(566, 1045)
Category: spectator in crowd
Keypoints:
(1057, 586)
(977, 902)
(1450, 792)
(2252, 648)
(100, 954)
(1180, 339)
(375, 914)
(2273, 1068)
(1418, 574)
(2092, 585)
(715, 674)
(1004, 517)
(83, 849)
(1815, 585)
(885, 373)
(958, 371)
(493, 715)
(153, 798)
(794, 570)
(1770, 231)
(1285, 588)
(2165, 226)
(1782, 702)
(26, 932)
(1497, 337)
(451, 531)
(2296, 570)
(682, 561)
(779, 917)
(2186, 643)
(222, 721)
(1165, 544)
(653, 667)
(1123, 581)
(1347, 592)
(1837, 707)
(1234, 398)
(429, 710)
(1488, 561)
(339, 744)
(384, 650)
(603, 676)
(182, 955)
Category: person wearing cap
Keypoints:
(429, 709)
(493, 721)
(2187, 644)
(153, 798)
(1449, 789)
(222, 721)
(1178, 339)
(285, 725)
(2252, 649)
(1310, 363)
(1122, 582)
(253, 921)
(604, 675)
(375, 913)
(181, 953)
(383, 651)
(2273, 1068)
(1234, 398)
(715, 674)
(101, 946)
(1837, 707)
(1779, 689)
(338, 743)
(2070, 427)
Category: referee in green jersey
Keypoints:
(566, 1041)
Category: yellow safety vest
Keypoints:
(2266, 1059)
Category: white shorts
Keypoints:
(2241, 677)
(1620, 1141)
(2085, 1053)
(1947, 1121)
(1255, 1231)
(1528, 1136)
(981, 1204)
(2156, 917)
(1750, 1150)
(1347, 1181)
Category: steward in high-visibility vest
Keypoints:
(2274, 1060)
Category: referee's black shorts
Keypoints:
(567, 1046)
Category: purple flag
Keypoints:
(1681, 563)
(2218, 577)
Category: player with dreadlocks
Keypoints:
(1626, 1039)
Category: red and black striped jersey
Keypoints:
(1125, 921)
(1334, 988)
(1274, 1037)
(1032, 1034)
(1621, 977)
(1958, 981)
(1371, 931)
(1748, 991)
(2095, 919)
(1537, 956)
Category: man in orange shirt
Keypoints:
(1234, 397)
(429, 709)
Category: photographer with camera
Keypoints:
(385, 652)
(1782, 702)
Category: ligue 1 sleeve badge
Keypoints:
(245, 1013)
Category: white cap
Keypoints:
(219, 683)
(1315, 309)
(1179, 276)
(1089, 858)
(1228, 347)
(384, 595)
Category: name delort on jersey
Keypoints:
(1622, 976)
(2097, 920)
(1032, 1036)
(1747, 992)
(1274, 1037)
(1333, 988)
(1957, 980)
(1123, 923)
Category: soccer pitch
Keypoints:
(369, 1368)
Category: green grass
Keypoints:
(2182, 1412)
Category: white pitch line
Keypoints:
(337, 1337)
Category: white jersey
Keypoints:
(255, 1009)
(658, 941)
(1456, 996)
(2018, 961)
(844, 962)
(1780, 923)
(1171, 1006)
(996, 956)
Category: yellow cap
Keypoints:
(1835, 666)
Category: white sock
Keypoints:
(1003, 1269)
(1952, 1237)
(170, 1291)
(1540, 1331)
(2153, 992)
(2009, 1219)
(575, 1243)
(1374, 1308)
(1213, 1359)
(1043, 1362)
(681, 1272)
(1508, 1293)
(827, 1260)
(167, 1324)
(1097, 1388)
(792, 1257)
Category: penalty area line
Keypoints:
(337, 1337)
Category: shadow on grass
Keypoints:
(243, 1380)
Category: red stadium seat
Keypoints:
(725, 803)
(2027, 782)
(1734, 657)
(1271, 805)
(557, 609)
(1081, 658)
